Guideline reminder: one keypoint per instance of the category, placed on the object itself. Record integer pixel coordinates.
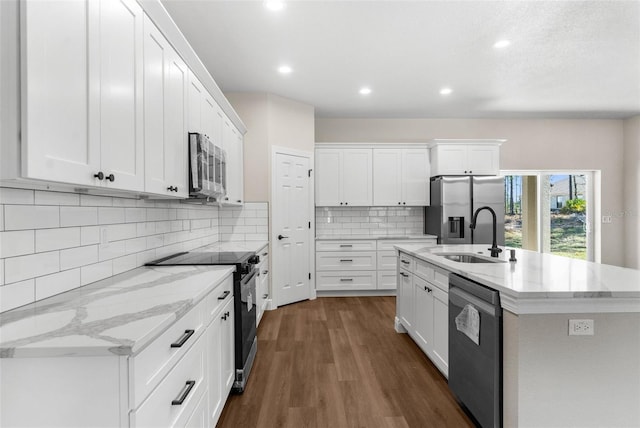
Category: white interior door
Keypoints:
(291, 231)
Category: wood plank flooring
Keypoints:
(338, 362)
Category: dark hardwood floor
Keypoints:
(338, 362)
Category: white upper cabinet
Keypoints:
(401, 177)
(82, 80)
(344, 177)
(56, 140)
(465, 157)
(165, 103)
(232, 142)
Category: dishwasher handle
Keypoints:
(460, 298)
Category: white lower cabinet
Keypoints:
(422, 307)
(262, 284)
(181, 379)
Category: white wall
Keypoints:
(271, 121)
(632, 192)
(532, 144)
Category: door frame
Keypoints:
(312, 231)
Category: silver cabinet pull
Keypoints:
(184, 393)
(183, 339)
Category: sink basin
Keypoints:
(468, 258)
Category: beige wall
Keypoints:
(531, 144)
(632, 191)
(271, 120)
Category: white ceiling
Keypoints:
(566, 58)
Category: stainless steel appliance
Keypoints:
(475, 369)
(244, 295)
(207, 168)
(453, 203)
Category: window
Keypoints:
(551, 212)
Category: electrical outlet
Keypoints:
(606, 219)
(580, 327)
(104, 236)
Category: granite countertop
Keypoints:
(116, 316)
(373, 237)
(543, 283)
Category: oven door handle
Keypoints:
(250, 276)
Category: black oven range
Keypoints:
(244, 292)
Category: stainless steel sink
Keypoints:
(468, 258)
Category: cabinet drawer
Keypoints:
(407, 262)
(157, 359)
(340, 245)
(425, 270)
(346, 281)
(346, 261)
(441, 279)
(387, 280)
(219, 297)
(162, 408)
(387, 244)
(387, 260)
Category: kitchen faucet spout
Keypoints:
(495, 251)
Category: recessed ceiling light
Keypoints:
(274, 5)
(445, 91)
(365, 91)
(501, 44)
(285, 69)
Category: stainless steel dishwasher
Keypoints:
(475, 369)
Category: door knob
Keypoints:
(281, 237)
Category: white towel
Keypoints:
(468, 322)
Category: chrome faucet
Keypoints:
(495, 251)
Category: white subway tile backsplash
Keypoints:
(17, 294)
(1, 218)
(123, 264)
(21, 217)
(96, 272)
(135, 215)
(118, 232)
(11, 196)
(1, 271)
(78, 216)
(56, 283)
(96, 201)
(57, 239)
(80, 256)
(110, 215)
(135, 245)
(111, 250)
(56, 198)
(89, 235)
(30, 266)
(16, 243)
(375, 221)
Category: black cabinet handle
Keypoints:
(265, 254)
(281, 237)
(223, 317)
(404, 274)
(346, 203)
(172, 189)
(183, 339)
(110, 177)
(405, 262)
(239, 201)
(346, 260)
(346, 245)
(346, 279)
(184, 393)
(404, 203)
(340, 203)
(264, 296)
(264, 272)
(99, 175)
(398, 203)
(224, 295)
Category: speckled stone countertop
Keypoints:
(543, 283)
(116, 316)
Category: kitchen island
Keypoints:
(549, 377)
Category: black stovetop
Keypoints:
(203, 258)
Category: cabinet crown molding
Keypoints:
(438, 141)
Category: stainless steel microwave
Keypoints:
(207, 168)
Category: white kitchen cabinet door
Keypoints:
(165, 97)
(449, 159)
(214, 342)
(121, 94)
(357, 177)
(344, 177)
(228, 350)
(483, 159)
(387, 177)
(195, 97)
(60, 114)
(209, 118)
(327, 177)
(440, 342)
(232, 143)
(423, 310)
(405, 299)
(415, 177)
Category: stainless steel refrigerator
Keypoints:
(453, 202)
